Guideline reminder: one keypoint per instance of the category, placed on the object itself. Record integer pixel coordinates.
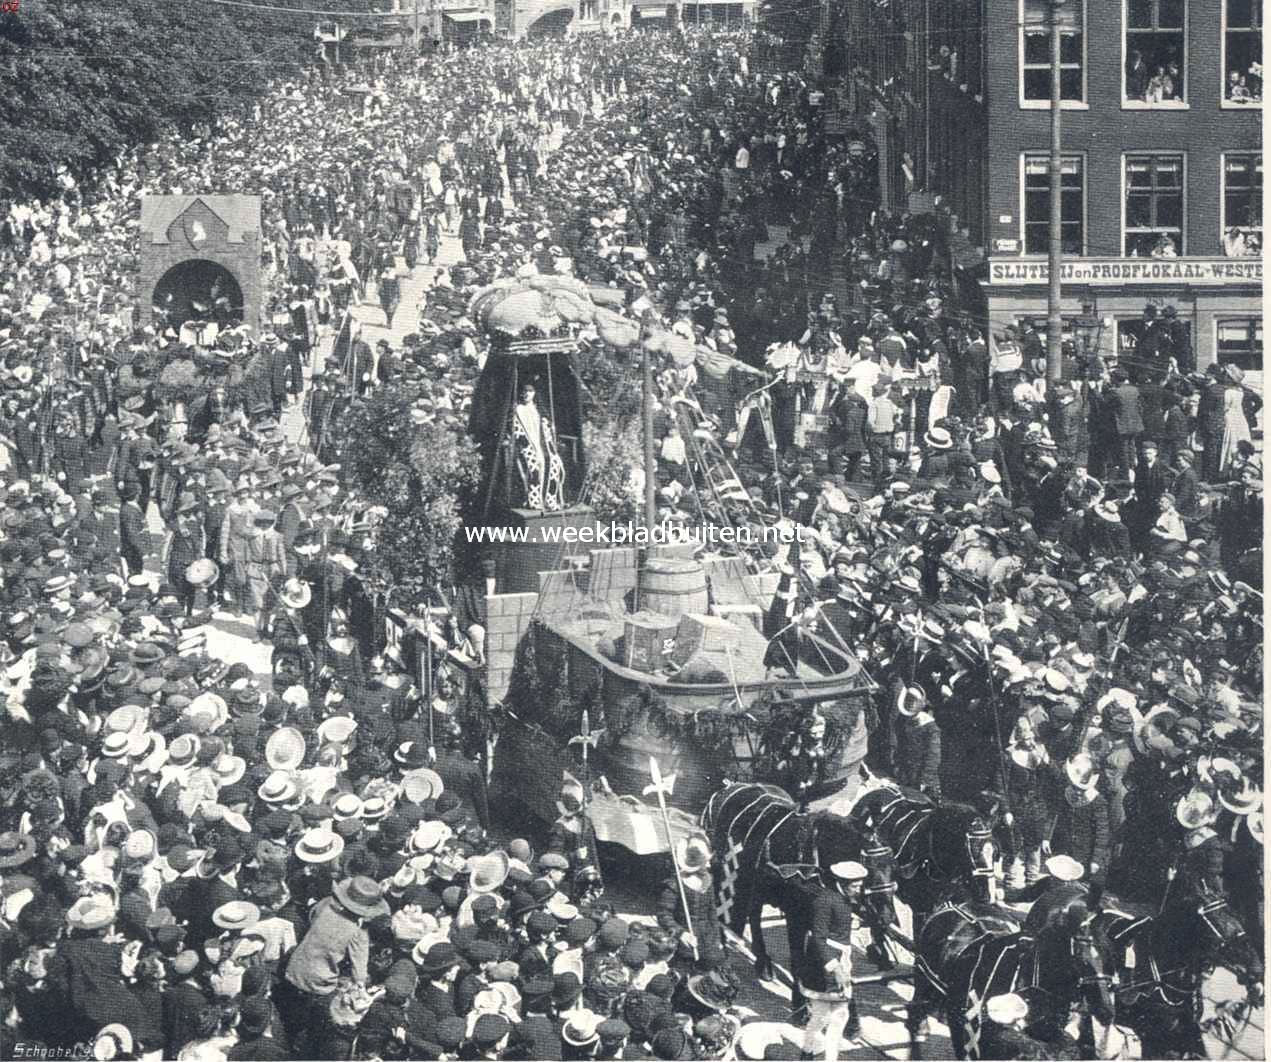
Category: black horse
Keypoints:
(946, 933)
(768, 852)
(943, 851)
(1163, 959)
(1061, 957)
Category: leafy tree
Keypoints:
(84, 81)
(424, 476)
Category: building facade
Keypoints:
(1162, 168)
(1162, 144)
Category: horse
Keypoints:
(941, 849)
(1061, 956)
(946, 933)
(1163, 958)
(769, 852)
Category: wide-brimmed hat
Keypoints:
(938, 439)
(580, 1029)
(693, 854)
(295, 594)
(422, 784)
(429, 835)
(285, 749)
(439, 958)
(1242, 801)
(202, 572)
(278, 788)
(236, 915)
(319, 845)
(1155, 723)
(16, 849)
(912, 700)
(336, 730)
(91, 912)
(361, 895)
(1196, 809)
(1081, 772)
(487, 873)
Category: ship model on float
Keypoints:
(605, 657)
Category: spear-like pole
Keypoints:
(663, 787)
(588, 740)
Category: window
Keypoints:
(1240, 343)
(1155, 52)
(1242, 51)
(1035, 52)
(1242, 204)
(1037, 204)
(1153, 206)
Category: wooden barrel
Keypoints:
(673, 587)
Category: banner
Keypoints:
(1205, 271)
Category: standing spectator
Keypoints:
(1127, 419)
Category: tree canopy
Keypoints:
(84, 81)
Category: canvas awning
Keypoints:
(467, 16)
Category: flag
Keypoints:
(726, 883)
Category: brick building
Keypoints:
(1162, 150)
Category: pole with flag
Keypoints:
(663, 787)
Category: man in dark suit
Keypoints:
(183, 1003)
(824, 969)
(1127, 418)
(1211, 422)
(1151, 480)
(537, 1034)
(1186, 487)
(134, 539)
(290, 519)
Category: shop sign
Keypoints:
(1120, 271)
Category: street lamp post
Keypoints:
(1054, 293)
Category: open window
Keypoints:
(1240, 343)
(1153, 212)
(1242, 52)
(1035, 53)
(1242, 204)
(1155, 53)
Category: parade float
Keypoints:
(612, 660)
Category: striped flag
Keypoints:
(779, 625)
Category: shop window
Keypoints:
(1037, 204)
(1240, 343)
(1242, 204)
(1242, 52)
(1035, 52)
(1155, 52)
(1153, 206)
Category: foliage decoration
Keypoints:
(422, 475)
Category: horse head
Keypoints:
(1066, 920)
(1090, 952)
(1222, 937)
(838, 838)
(981, 850)
(880, 886)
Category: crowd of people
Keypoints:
(199, 861)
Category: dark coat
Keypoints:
(1123, 405)
(830, 918)
(84, 974)
(1186, 491)
(132, 529)
(1082, 832)
(918, 756)
(1108, 538)
(538, 1037)
(466, 780)
(182, 1004)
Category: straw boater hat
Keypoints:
(1081, 772)
(319, 846)
(1064, 868)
